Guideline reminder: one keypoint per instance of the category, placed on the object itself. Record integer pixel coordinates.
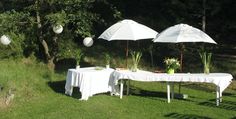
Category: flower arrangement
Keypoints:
(171, 64)
(136, 56)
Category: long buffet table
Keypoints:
(92, 81)
(221, 80)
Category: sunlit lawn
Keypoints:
(40, 94)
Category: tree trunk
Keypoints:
(204, 16)
(49, 58)
(151, 54)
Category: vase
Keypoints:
(134, 68)
(170, 71)
(77, 67)
(107, 66)
(206, 70)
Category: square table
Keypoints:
(90, 80)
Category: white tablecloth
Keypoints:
(89, 80)
(221, 80)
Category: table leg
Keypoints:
(217, 95)
(69, 91)
(121, 88)
(168, 92)
(172, 91)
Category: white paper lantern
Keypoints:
(57, 29)
(88, 41)
(5, 40)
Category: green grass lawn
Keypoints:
(40, 94)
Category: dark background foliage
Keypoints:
(80, 19)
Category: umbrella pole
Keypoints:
(181, 64)
(181, 68)
(127, 53)
(181, 61)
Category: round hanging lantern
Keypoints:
(57, 29)
(88, 41)
(5, 40)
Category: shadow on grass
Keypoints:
(185, 116)
(229, 94)
(136, 91)
(59, 87)
(197, 86)
(145, 93)
(227, 105)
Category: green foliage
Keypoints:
(67, 48)
(16, 46)
(13, 21)
(66, 53)
(58, 18)
(78, 16)
(18, 18)
(14, 25)
(107, 58)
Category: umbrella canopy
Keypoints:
(128, 30)
(183, 33)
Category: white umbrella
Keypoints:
(128, 30)
(183, 33)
